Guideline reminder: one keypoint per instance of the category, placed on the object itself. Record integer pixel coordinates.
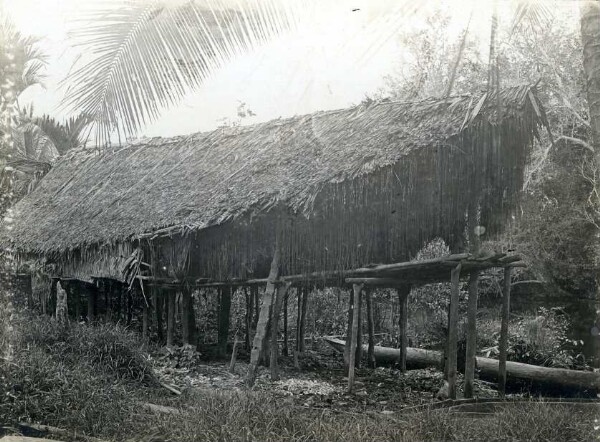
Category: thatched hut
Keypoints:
(326, 192)
(341, 189)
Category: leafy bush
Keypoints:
(74, 377)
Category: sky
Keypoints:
(341, 53)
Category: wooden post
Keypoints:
(145, 322)
(453, 332)
(193, 340)
(233, 355)
(303, 319)
(224, 314)
(284, 350)
(298, 317)
(371, 327)
(403, 293)
(185, 315)
(248, 320)
(358, 359)
(75, 295)
(170, 317)
(349, 329)
(263, 320)
(53, 285)
(470, 357)
(157, 304)
(91, 304)
(130, 307)
(357, 289)
(504, 332)
(279, 295)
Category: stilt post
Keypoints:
(280, 294)
(357, 288)
(470, 357)
(504, 332)
(371, 326)
(170, 317)
(403, 293)
(453, 332)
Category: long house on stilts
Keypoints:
(342, 197)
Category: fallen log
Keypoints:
(524, 375)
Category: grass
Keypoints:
(91, 380)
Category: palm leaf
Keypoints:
(533, 13)
(143, 57)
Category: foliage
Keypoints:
(148, 55)
(75, 377)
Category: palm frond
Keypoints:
(147, 56)
(531, 13)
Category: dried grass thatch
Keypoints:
(367, 184)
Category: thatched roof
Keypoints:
(190, 183)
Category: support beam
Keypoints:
(504, 332)
(279, 296)
(453, 331)
(371, 327)
(403, 293)
(357, 288)
(470, 357)
(263, 319)
(170, 317)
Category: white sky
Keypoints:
(331, 62)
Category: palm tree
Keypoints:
(21, 63)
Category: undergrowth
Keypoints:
(91, 380)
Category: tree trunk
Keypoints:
(590, 39)
(517, 372)
(224, 314)
(263, 320)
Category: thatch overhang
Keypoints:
(340, 189)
